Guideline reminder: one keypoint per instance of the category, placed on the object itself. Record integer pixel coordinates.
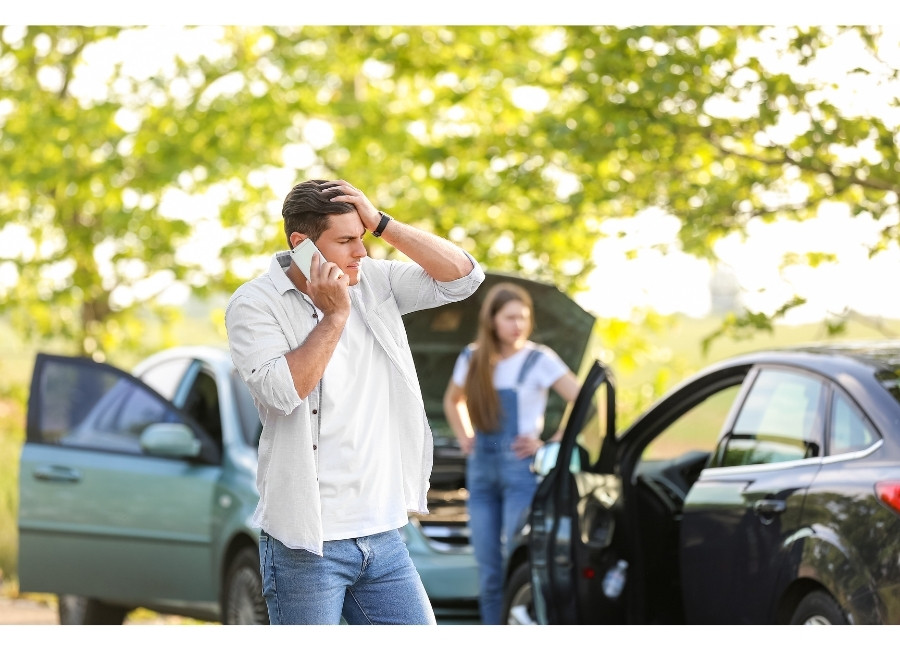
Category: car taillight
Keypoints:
(889, 494)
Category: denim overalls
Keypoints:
(500, 487)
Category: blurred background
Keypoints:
(702, 190)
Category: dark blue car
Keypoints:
(764, 490)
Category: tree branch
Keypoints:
(806, 165)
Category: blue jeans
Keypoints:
(367, 580)
(501, 487)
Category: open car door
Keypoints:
(116, 489)
(574, 514)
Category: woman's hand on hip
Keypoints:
(525, 446)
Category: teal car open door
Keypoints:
(116, 485)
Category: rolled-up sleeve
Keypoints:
(258, 344)
(465, 286)
(414, 289)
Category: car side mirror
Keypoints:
(172, 439)
(545, 459)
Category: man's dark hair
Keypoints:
(307, 206)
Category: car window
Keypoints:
(122, 415)
(202, 404)
(849, 429)
(165, 377)
(91, 405)
(696, 430)
(781, 420)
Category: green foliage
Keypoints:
(632, 347)
(12, 435)
(685, 346)
(432, 123)
(749, 323)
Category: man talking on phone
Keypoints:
(346, 450)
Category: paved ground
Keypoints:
(26, 611)
(22, 611)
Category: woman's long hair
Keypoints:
(481, 396)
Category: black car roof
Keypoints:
(877, 355)
(882, 354)
(866, 361)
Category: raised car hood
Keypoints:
(436, 337)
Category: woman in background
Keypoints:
(495, 404)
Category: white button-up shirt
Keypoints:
(268, 317)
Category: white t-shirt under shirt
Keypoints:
(360, 477)
(533, 391)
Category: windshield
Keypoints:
(251, 426)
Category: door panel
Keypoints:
(742, 516)
(736, 535)
(97, 516)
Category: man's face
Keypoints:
(342, 243)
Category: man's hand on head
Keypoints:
(368, 214)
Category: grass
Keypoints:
(12, 433)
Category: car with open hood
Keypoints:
(137, 488)
(436, 337)
(763, 490)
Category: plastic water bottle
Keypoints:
(614, 580)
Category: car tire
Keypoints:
(242, 600)
(80, 610)
(518, 600)
(818, 608)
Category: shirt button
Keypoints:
(314, 447)
(315, 411)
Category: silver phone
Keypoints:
(302, 256)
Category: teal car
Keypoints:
(137, 490)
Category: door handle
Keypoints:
(769, 507)
(56, 473)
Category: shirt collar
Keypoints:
(277, 271)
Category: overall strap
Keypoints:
(530, 360)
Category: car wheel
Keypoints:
(818, 608)
(243, 603)
(518, 603)
(80, 610)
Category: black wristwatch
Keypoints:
(381, 224)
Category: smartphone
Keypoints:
(302, 255)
